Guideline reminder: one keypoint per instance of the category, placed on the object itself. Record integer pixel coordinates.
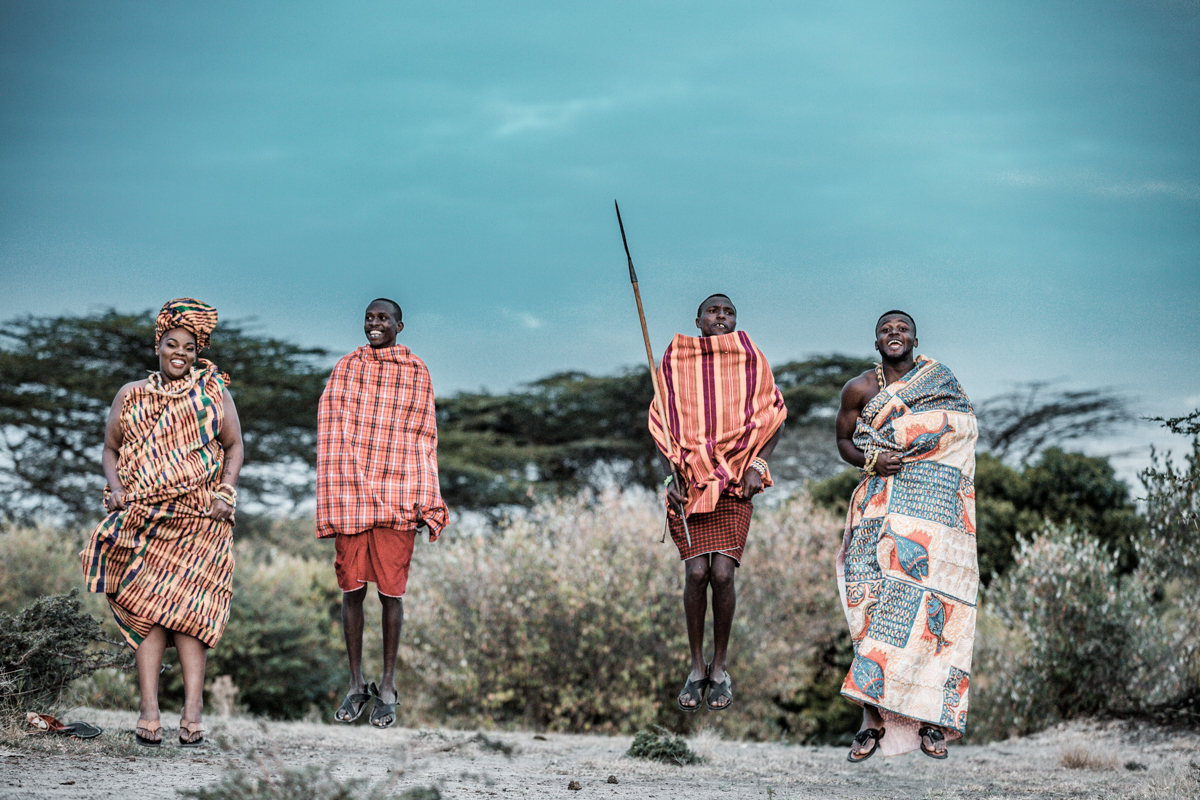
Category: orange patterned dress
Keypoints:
(162, 560)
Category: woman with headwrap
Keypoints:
(163, 555)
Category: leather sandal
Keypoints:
(353, 699)
(189, 729)
(935, 736)
(720, 689)
(861, 738)
(383, 709)
(695, 690)
(151, 726)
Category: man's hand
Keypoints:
(221, 510)
(115, 501)
(751, 483)
(675, 498)
(888, 464)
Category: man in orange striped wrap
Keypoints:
(377, 484)
(906, 572)
(724, 418)
(163, 555)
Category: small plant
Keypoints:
(1080, 757)
(660, 744)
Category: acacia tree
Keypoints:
(1018, 425)
(58, 377)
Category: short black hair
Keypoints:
(399, 311)
(893, 313)
(700, 310)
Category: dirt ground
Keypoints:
(1082, 760)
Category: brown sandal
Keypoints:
(150, 726)
(190, 729)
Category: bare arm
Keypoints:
(114, 435)
(855, 396)
(230, 437)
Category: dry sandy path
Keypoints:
(461, 766)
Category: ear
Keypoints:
(697, 322)
(399, 327)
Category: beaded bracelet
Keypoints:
(759, 466)
(869, 467)
(226, 493)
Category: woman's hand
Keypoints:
(888, 464)
(115, 501)
(221, 510)
(751, 483)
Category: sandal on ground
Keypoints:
(353, 700)
(82, 730)
(935, 736)
(150, 726)
(720, 689)
(860, 738)
(189, 729)
(695, 690)
(383, 709)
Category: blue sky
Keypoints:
(1024, 177)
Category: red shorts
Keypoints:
(380, 556)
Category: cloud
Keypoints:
(1101, 186)
(517, 118)
(523, 317)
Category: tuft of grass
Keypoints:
(660, 744)
(1084, 757)
(15, 734)
(271, 779)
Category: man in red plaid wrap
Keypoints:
(377, 483)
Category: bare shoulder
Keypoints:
(127, 388)
(858, 391)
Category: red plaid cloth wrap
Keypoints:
(722, 530)
(377, 446)
(722, 408)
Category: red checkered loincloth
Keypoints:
(722, 530)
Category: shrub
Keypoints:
(48, 645)
(571, 618)
(660, 744)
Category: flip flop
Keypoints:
(694, 690)
(861, 738)
(352, 699)
(935, 736)
(151, 726)
(191, 728)
(82, 730)
(721, 689)
(383, 709)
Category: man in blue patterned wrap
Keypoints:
(907, 573)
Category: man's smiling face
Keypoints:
(895, 337)
(717, 316)
(381, 325)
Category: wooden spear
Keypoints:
(658, 400)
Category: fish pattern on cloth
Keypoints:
(907, 571)
(377, 446)
(162, 559)
(722, 408)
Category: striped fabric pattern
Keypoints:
(722, 407)
(191, 315)
(377, 446)
(162, 560)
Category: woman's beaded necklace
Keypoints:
(156, 384)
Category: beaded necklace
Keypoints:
(156, 385)
(879, 372)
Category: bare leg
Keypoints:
(352, 627)
(871, 719)
(695, 609)
(393, 620)
(193, 655)
(149, 658)
(724, 604)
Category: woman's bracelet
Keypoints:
(759, 466)
(226, 493)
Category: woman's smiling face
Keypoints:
(176, 353)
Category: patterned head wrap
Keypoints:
(189, 314)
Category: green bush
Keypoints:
(660, 744)
(1064, 635)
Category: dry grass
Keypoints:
(1085, 757)
(1176, 782)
